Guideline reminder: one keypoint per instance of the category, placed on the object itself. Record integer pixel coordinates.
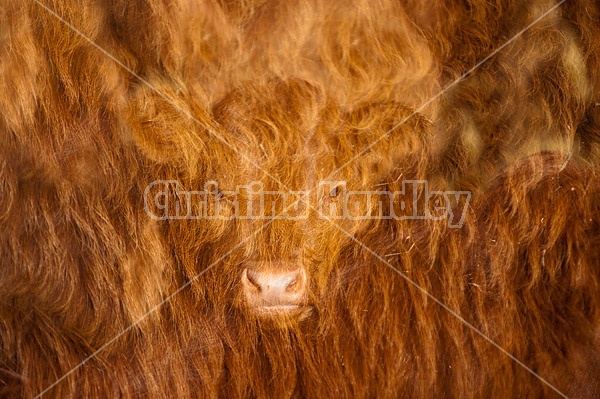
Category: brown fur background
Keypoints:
(299, 88)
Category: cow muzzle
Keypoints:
(271, 292)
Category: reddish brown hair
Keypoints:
(101, 98)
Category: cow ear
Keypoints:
(167, 124)
(390, 136)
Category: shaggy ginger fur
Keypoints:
(286, 93)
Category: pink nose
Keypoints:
(275, 292)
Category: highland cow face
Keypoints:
(297, 180)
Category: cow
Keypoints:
(300, 200)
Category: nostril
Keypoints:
(296, 282)
(292, 284)
(253, 278)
